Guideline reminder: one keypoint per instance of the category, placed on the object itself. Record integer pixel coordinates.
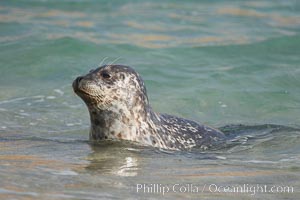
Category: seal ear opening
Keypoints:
(122, 76)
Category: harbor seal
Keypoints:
(119, 109)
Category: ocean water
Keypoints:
(229, 64)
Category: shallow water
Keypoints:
(220, 63)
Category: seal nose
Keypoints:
(76, 82)
(78, 79)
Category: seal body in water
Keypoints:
(119, 109)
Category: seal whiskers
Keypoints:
(115, 60)
(103, 60)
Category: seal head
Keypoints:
(118, 104)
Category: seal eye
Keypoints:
(105, 75)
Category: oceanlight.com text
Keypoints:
(251, 189)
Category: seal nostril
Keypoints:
(76, 82)
(78, 79)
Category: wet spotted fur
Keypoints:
(117, 101)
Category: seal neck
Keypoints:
(120, 123)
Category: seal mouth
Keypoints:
(82, 92)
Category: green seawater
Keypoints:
(229, 64)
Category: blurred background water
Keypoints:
(217, 62)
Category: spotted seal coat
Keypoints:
(119, 109)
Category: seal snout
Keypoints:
(78, 79)
(76, 83)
